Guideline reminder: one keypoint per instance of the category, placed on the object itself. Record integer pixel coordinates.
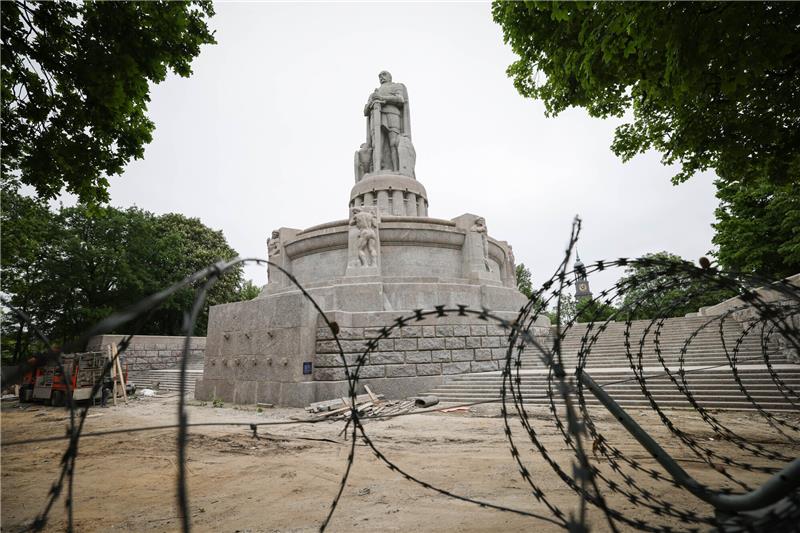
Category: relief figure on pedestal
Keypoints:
(366, 221)
(511, 267)
(363, 161)
(274, 244)
(479, 230)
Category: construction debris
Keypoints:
(367, 405)
(425, 401)
(458, 409)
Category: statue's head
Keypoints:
(276, 234)
(385, 76)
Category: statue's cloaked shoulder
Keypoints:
(399, 90)
(403, 91)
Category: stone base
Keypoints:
(304, 393)
(251, 392)
(278, 349)
(365, 271)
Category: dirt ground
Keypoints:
(286, 480)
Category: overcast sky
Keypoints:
(263, 134)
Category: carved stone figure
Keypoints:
(363, 161)
(406, 155)
(511, 266)
(366, 222)
(388, 117)
(481, 242)
(274, 244)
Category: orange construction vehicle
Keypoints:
(45, 382)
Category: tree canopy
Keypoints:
(524, 284)
(710, 85)
(76, 81)
(69, 269)
(758, 227)
(660, 289)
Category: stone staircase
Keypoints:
(168, 380)
(708, 373)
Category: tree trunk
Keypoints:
(18, 342)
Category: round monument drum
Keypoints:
(392, 194)
(422, 264)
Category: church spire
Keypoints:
(582, 291)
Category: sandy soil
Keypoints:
(286, 480)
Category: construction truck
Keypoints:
(46, 382)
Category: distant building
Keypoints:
(582, 291)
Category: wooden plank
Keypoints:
(113, 374)
(334, 412)
(122, 381)
(121, 375)
(327, 405)
(372, 395)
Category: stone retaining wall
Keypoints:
(279, 350)
(151, 352)
(410, 351)
(743, 312)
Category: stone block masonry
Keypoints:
(440, 350)
(151, 352)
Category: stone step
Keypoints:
(703, 401)
(664, 348)
(681, 339)
(167, 380)
(623, 385)
(748, 376)
(627, 404)
(703, 386)
(608, 363)
(599, 365)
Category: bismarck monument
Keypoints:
(385, 260)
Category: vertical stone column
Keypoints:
(398, 205)
(411, 204)
(383, 202)
(422, 207)
(368, 199)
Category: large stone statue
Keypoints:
(388, 118)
